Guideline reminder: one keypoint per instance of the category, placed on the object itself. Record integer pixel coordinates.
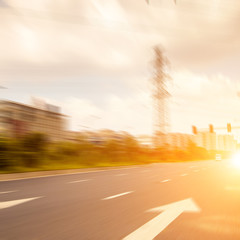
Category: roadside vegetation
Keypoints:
(34, 152)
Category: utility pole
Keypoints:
(160, 94)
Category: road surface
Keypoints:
(194, 200)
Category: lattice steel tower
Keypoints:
(160, 92)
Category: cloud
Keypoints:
(96, 55)
(130, 114)
(116, 36)
(202, 99)
(196, 100)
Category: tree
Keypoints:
(33, 145)
(4, 158)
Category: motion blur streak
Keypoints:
(111, 108)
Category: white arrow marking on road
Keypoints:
(15, 202)
(155, 226)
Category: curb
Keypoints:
(52, 173)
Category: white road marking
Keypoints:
(183, 175)
(82, 180)
(155, 226)
(167, 180)
(121, 174)
(13, 203)
(118, 195)
(8, 192)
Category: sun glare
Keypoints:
(236, 160)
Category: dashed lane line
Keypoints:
(13, 203)
(117, 195)
(8, 192)
(79, 181)
(167, 180)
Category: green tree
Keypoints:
(33, 146)
(4, 156)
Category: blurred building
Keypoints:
(145, 140)
(18, 119)
(104, 135)
(206, 140)
(97, 137)
(173, 140)
(94, 137)
(226, 143)
(71, 136)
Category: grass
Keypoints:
(67, 165)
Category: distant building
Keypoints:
(145, 140)
(98, 137)
(213, 141)
(226, 143)
(71, 136)
(173, 140)
(104, 135)
(206, 140)
(18, 119)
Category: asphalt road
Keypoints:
(115, 204)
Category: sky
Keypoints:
(93, 58)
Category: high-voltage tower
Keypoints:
(160, 92)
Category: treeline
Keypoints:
(35, 152)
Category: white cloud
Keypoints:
(114, 35)
(196, 100)
(109, 43)
(132, 114)
(201, 100)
